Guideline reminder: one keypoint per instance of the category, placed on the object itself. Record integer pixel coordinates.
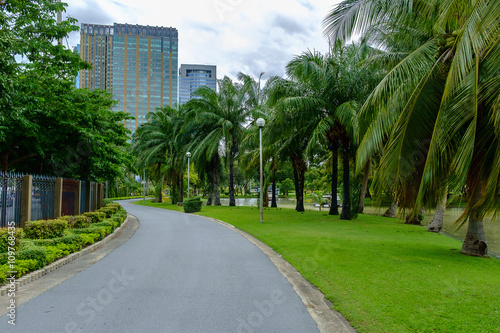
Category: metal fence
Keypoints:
(68, 197)
(83, 197)
(10, 198)
(42, 198)
(92, 197)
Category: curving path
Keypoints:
(178, 273)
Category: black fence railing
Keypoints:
(42, 197)
(11, 185)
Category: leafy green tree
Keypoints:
(46, 123)
(438, 106)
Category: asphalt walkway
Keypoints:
(177, 273)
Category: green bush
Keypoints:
(45, 229)
(95, 217)
(89, 239)
(109, 225)
(53, 253)
(10, 239)
(192, 205)
(100, 231)
(69, 238)
(38, 253)
(79, 221)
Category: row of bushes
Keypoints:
(42, 242)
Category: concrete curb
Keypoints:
(25, 279)
(328, 320)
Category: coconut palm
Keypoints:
(336, 87)
(158, 142)
(438, 106)
(225, 114)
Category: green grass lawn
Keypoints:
(382, 275)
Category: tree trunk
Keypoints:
(299, 168)
(181, 187)
(209, 201)
(273, 187)
(232, 200)
(391, 211)
(216, 184)
(160, 196)
(346, 203)
(475, 243)
(437, 221)
(415, 219)
(366, 174)
(334, 208)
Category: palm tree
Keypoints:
(336, 86)
(224, 113)
(438, 106)
(158, 142)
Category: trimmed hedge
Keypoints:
(45, 229)
(78, 221)
(12, 239)
(192, 205)
(95, 217)
(38, 253)
(69, 238)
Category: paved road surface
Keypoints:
(178, 273)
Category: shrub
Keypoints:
(79, 221)
(192, 205)
(70, 238)
(109, 225)
(100, 231)
(38, 253)
(45, 229)
(95, 217)
(89, 239)
(10, 239)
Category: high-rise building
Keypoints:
(138, 64)
(77, 79)
(194, 76)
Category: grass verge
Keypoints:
(382, 275)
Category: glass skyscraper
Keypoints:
(194, 76)
(138, 64)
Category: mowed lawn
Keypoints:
(382, 275)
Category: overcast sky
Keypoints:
(249, 36)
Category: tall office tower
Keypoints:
(194, 76)
(138, 64)
(77, 79)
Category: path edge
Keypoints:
(35, 275)
(327, 319)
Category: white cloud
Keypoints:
(250, 36)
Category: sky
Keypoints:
(249, 36)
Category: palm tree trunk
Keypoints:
(437, 221)
(391, 211)
(299, 167)
(232, 200)
(475, 242)
(273, 197)
(216, 184)
(160, 196)
(346, 203)
(366, 174)
(334, 208)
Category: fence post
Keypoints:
(58, 198)
(95, 197)
(89, 196)
(78, 193)
(26, 200)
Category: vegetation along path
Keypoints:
(178, 273)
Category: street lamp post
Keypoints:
(188, 154)
(261, 122)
